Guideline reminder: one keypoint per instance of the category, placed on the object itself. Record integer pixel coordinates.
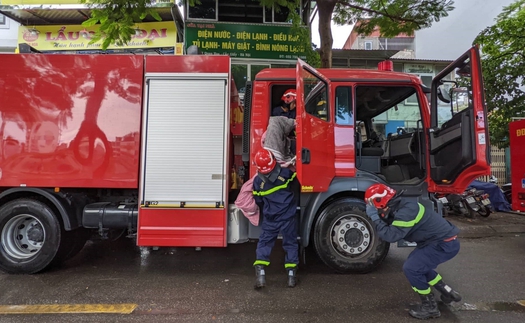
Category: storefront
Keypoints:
(255, 37)
(154, 37)
(52, 26)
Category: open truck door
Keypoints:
(458, 146)
(315, 133)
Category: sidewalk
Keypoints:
(497, 224)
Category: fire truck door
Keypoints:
(458, 146)
(315, 132)
(185, 144)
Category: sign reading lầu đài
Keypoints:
(77, 37)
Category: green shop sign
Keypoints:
(244, 40)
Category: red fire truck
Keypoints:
(144, 144)
(517, 163)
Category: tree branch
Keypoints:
(385, 14)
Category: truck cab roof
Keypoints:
(340, 74)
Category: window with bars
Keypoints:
(249, 11)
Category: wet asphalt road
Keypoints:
(216, 285)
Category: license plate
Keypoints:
(485, 202)
(471, 200)
(443, 200)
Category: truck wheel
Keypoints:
(71, 244)
(30, 236)
(345, 238)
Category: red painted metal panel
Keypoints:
(315, 137)
(182, 227)
(188, 64)
(517, 164)
(480, 166)
(70, 120)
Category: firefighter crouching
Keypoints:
(399, 218)
(273, 190)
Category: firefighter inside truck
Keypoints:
(396, 158)
(277, 91)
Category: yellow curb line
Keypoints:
(68, 309)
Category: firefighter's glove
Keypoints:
(372, 212)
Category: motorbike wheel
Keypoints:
(484, 212)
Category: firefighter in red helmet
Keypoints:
(287, 108)
(273, 190)
(397, 218)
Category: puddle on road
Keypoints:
(518, 306)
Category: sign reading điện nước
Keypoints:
(244, 40)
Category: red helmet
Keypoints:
(289, 96)
(378, 195)
(264, 161)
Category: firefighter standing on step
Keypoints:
(399, 218)
(273, 190)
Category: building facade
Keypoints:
(8, 34)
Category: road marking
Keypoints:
(521, 302)
(68, 308)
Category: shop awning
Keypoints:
(37, 15)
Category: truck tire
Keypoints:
(345, 238)
(71, 244)
(30, 235)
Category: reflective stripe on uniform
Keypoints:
(287, 266)
(422, 291)
(276, 188)
(435, 280)
(261, 262)
(409, 224)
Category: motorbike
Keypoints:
(507, 192)
(453, 204)
(468, 204)
(477, 201)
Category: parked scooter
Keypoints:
(507, 192)
(467, 204)
(477, 201)
(453, 204)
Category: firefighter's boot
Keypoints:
(260, 276)
(292, 277)
(427, 309)
(448, 295)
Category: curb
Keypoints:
(483, 231)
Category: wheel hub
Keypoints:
(23, 236)
(351, 236)
(35, 233)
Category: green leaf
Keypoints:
(90, 22)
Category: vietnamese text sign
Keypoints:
(77, 37)
(244, 40)
(419, 68)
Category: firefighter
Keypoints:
(398, 218)
(273, 190)
(287, 109)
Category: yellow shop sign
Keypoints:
(77, 37)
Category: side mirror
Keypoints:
(443, 94)
(464, 71)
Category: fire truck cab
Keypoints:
(341, 152)
(143, 145)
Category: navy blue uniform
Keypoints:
(278, 111)
(436, 240)
(278, 205)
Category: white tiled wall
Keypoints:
(8, 35)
